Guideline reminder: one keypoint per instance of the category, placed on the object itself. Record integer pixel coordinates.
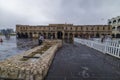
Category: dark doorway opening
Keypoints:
(18, 35)
(49, 35)
(26, 35)
(117, 35)
(44, 34)
(59, 35)
(53, 35)
(30, 35)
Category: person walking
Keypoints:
(41, 38)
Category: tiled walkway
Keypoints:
(79, 62)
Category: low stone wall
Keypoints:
(31, 69)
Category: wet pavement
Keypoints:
(79, 62)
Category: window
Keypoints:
(66, 28)
(113, 28)
(109, 22)
(81, 28)
(23, 27)
(91, 28)
(86, 28)
(76, 28)
(114, 21)
(30, 27)
(97, 28)
(20, 27)
(71, 28)
(118, 28)
(118, 20)
(34, 32)
(103, 28)
(108, 27)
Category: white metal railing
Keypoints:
(108, 47)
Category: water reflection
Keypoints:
(13, 46)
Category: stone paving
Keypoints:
(79, 62)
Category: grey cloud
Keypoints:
(40, 12)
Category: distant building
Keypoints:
(62, 31)
(8, 30)
(115, 23)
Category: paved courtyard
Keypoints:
(79, 62)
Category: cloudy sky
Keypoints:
(43, 12)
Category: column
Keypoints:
(73, 35)
(68, 35)
(46, 35)
(55, 35)
(37, 34)
(63, 36)
(28, 34)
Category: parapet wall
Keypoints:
(30, 65)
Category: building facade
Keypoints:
(62, 31)
(115, 23)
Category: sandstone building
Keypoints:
(62, 31)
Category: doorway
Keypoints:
(59, 35)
